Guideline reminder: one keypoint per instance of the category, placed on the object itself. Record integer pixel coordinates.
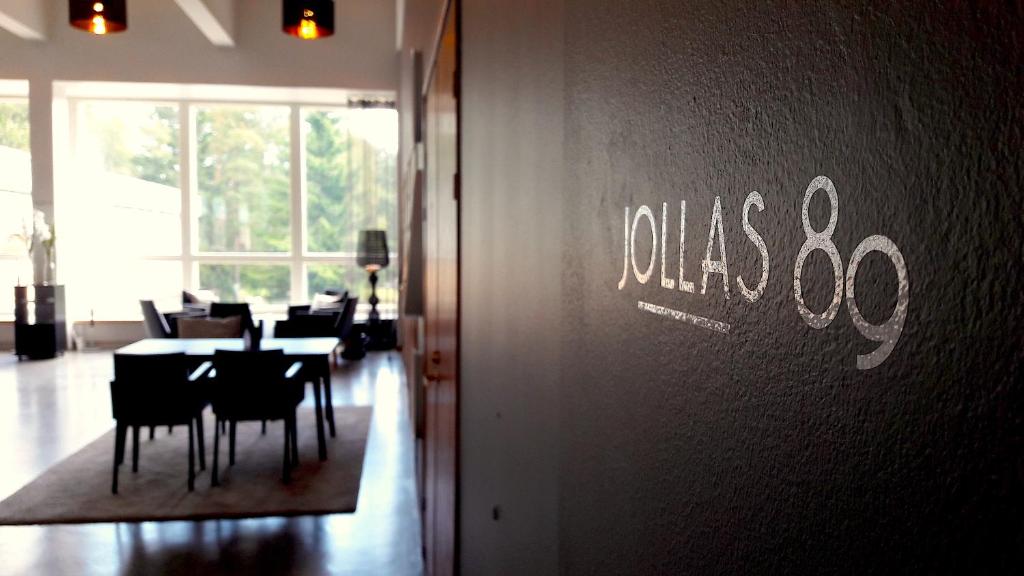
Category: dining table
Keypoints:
(314, 353)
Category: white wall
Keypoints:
(102, 335)
(162, 45)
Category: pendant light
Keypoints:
(99, 16)
(308, 19)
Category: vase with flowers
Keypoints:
(39, 241)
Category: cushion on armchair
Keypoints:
(230, 327)
(327, 302)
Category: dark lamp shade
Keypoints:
(373, 249)
(308, 19)
(98, 16)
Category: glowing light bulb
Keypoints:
(97, 7)
(99, 25)
(306, 19)
(308, 29)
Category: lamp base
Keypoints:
(374, 315)
(380, 334)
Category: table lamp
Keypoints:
(373, 257)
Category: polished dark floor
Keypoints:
(50, 409)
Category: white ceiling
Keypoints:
(163, 44)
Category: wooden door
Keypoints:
(441, 227)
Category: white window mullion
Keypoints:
(186, 152)
(298, 206)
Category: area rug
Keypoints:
(77, 489)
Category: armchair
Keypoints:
(164, 325)
(305, 323)
(226, 310)
(330, 301)
(156, 324)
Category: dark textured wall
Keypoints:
(765, 449)
(684, 450)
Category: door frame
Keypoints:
(423, 91)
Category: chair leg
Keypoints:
(191, 458)
(231, 443)
(321, 440)
(286, 474)
(295, 443)
(264, 431)
(214, 480)
(119, 437)
(329, 406)
(152, 432)
(135, 449)
(202, 440)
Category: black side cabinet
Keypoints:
(381, 334)
(40, 328)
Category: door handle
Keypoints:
(435, 360)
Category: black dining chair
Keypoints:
(157, 326)
(256, 387)
(157, 390)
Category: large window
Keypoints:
(250, 202)
(15, 200)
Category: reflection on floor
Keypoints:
(50, 409)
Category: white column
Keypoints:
(40, 114)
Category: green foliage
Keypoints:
(155, 158)
(328, 180)
(351, 186)
(14, 129)
(158, 161)
(249, 283)
(244, 179)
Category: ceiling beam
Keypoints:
(24, 18)
(214, 18)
